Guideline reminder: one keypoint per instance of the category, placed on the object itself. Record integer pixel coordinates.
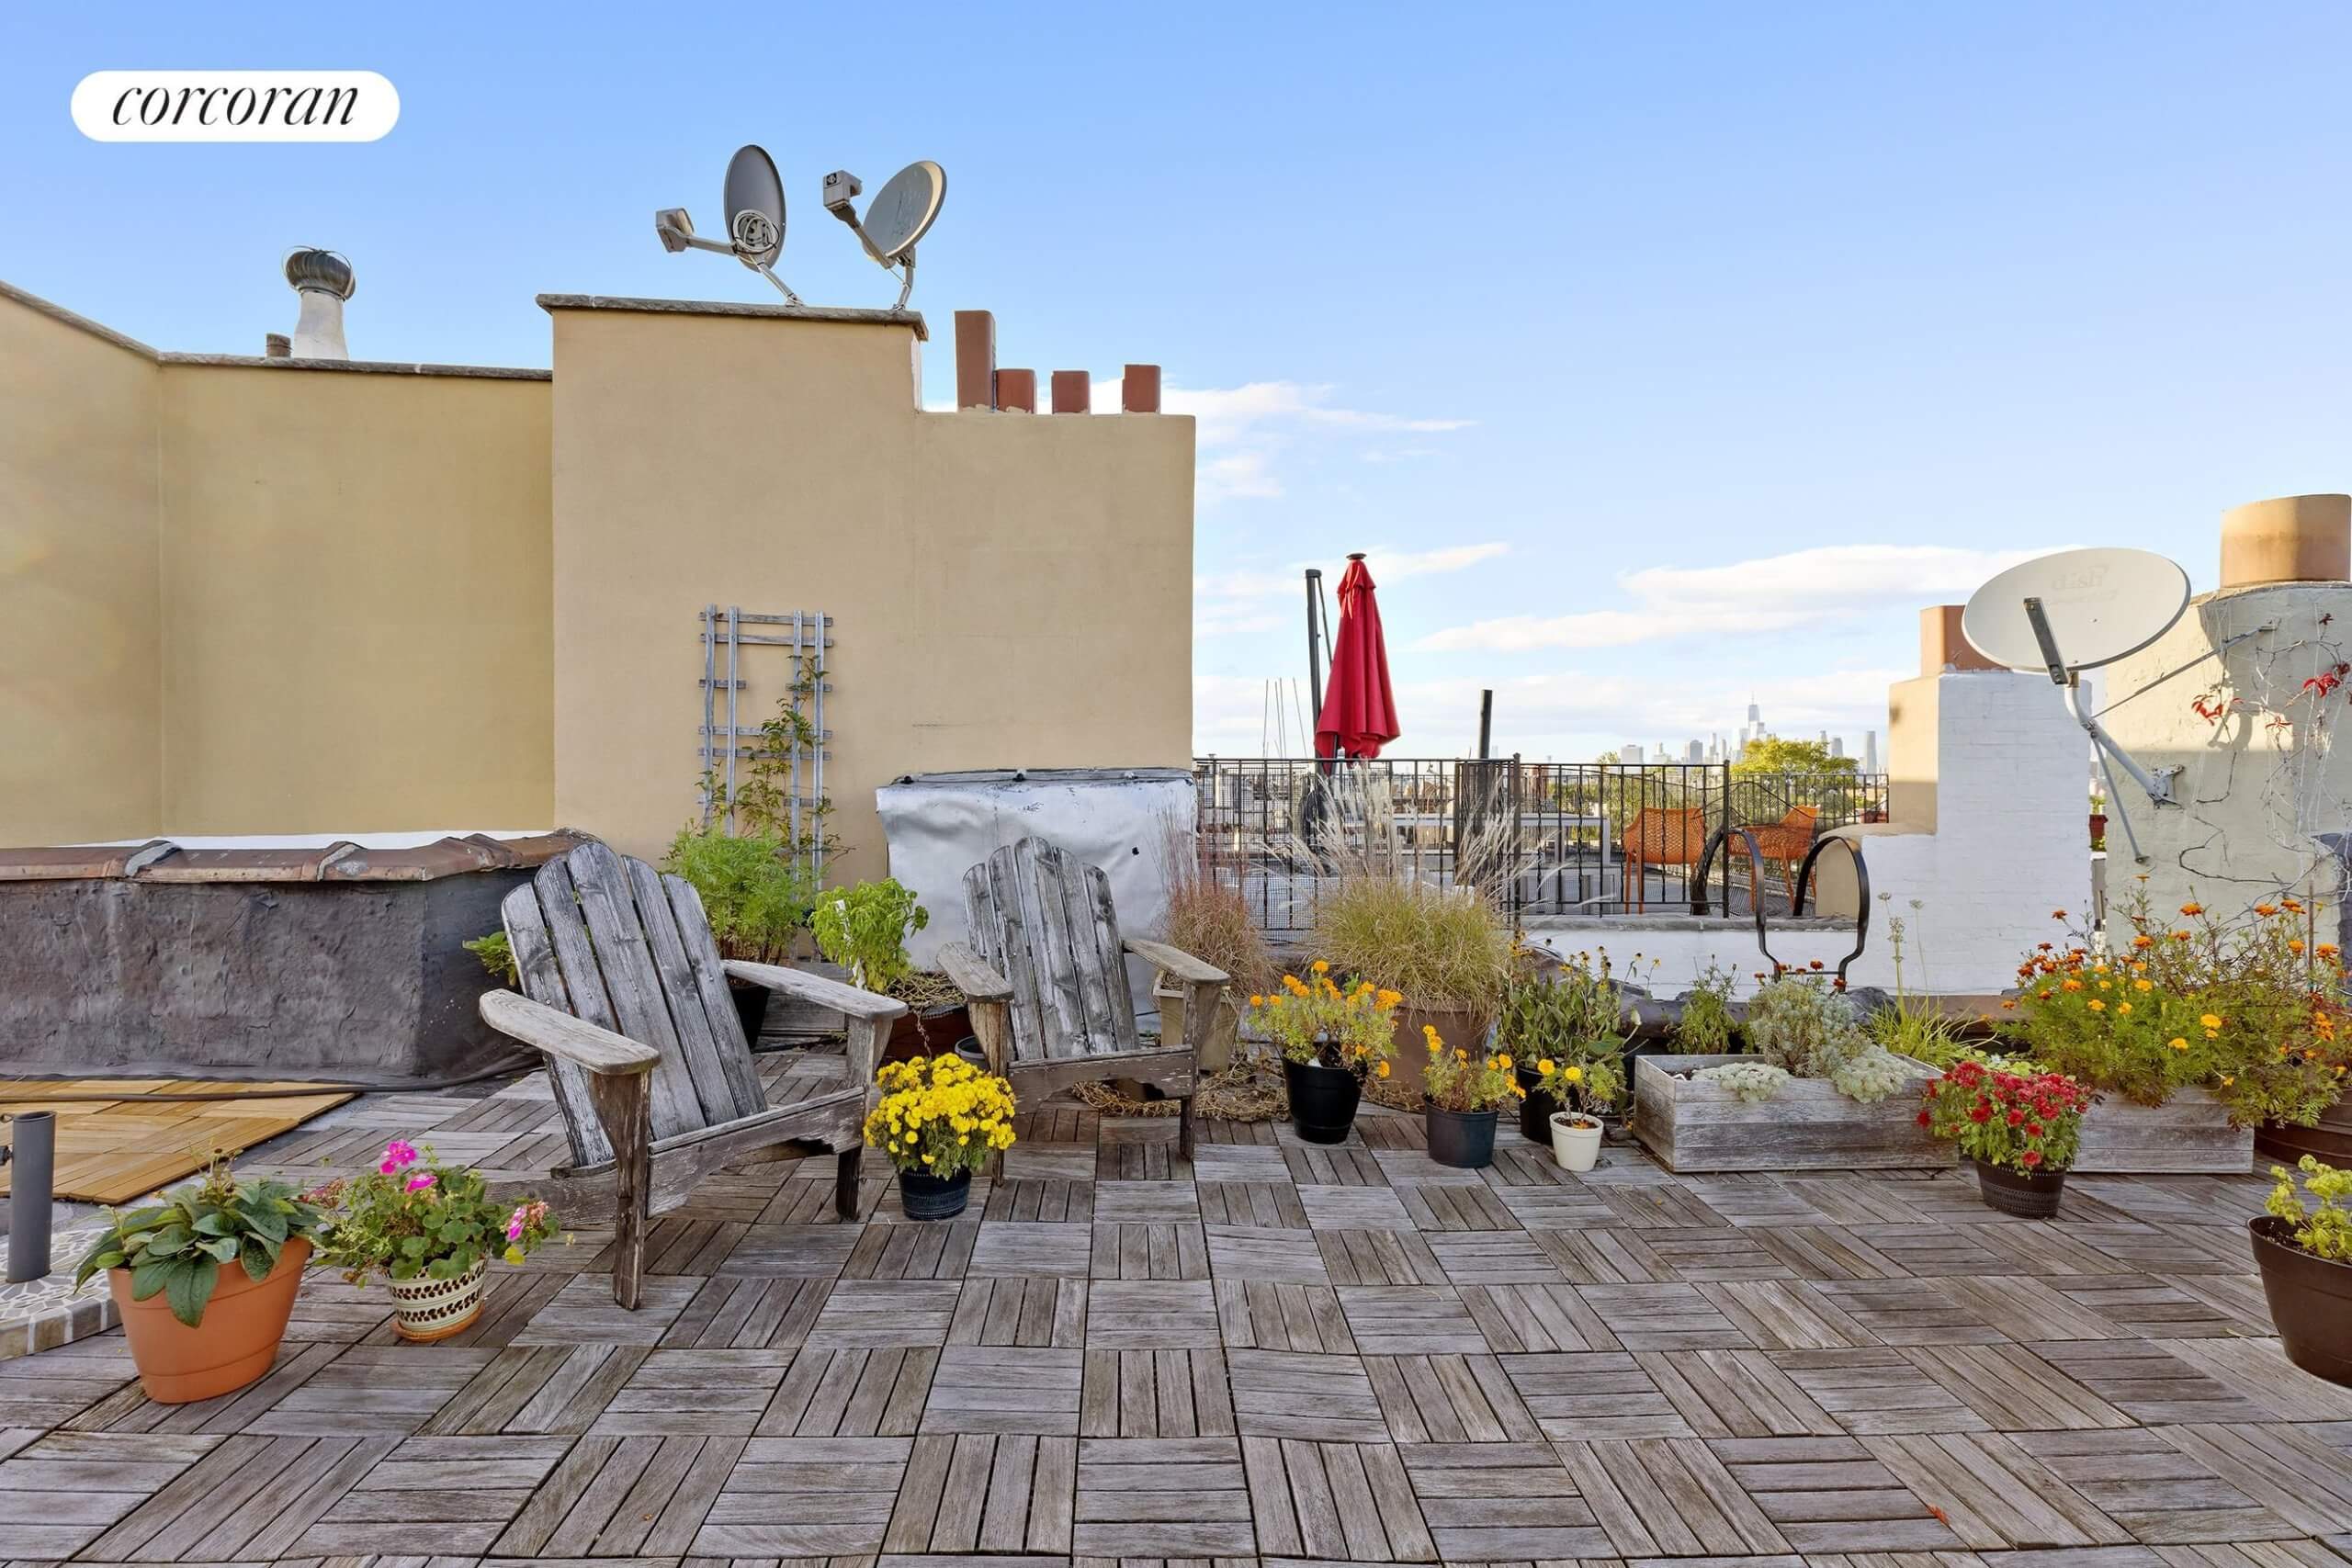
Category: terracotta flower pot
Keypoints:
(2310, 1298)
(236, 1343)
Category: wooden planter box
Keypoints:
(1697, 1126)
(2188, 1132)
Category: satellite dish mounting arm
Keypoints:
(2157, 784)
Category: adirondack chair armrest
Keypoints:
(1176, 964)
(973, 975)
(557, 1032)
(816, 988)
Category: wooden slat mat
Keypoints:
(115, 1149)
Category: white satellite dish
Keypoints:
(901, 214)
(752, 202)
(2074, 611)
(2096, 606)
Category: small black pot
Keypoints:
(2028, 1195)
(927, 1196)
(968, 1050)
(1535, 1111)
(1464, 1139)
(751, 1007)
(2311, 1301)
(1322, 1100)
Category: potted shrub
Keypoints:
(2020, 1124)
(1585, 1091)
(2191, 1030)
(1573, 1017)
(1443, 947)
(205, 1281)
(938, 1119)
(2305, 1256)
(865, 930)
(1211, 920)
(758, 898)
(1465, 1096)
(1330, 1038)
(430, 1230)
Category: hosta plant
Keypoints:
(940, 1116)
(413, 1218)
(179, 1246)
(2017, 1116)
(2324, 1231)
(1318, 1021)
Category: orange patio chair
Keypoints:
(1662, 835)
(1784, 843)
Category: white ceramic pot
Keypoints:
(424, 1309)
(1575, 1141)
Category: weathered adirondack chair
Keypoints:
(1045, 978)
(625, 992)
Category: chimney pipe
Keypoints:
(2293, 538)
(276, 345)
(323, 280)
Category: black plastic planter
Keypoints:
(927, 1196)
(1464, 1139)
(1322, 1100)
(1535, 1111)
(2030, 1195)
(2311, 1301)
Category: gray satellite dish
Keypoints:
(900, 213)
(2074, 611)
(906, 209)
(752, 202)
(2096, 606)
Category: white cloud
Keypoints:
(1387, 566)
(1771, 593)
(1240, 429)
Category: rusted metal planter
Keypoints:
(339, 963)
(2188, 1134)
(1693, 1125)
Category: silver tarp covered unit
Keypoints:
(1133, 822)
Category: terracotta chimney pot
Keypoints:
(2291, 539)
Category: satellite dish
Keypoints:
(905, 210)
(754, 203)
(2076, 610)
(900, 213)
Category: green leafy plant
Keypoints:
(1804, 1025)
(767, 803)
(1752, 1082)
(1913, 1025)
(411, 1217)
(756, 894)
(2026, 1119)
(178, 1245)
(1570, 1027)
(497, 956)
(864, 929)
(1706, 1025)
(1456, 1080)
(2324, 1231)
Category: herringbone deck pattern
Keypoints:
(1275, 1352)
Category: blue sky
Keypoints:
(1656, 353)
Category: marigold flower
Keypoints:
(2178, 1044)
(2210, 1021)
(2192, 908)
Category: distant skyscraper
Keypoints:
(1631, 753)
(1869, 751)
(1694, 753)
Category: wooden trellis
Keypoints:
(726, 740)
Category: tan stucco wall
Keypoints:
(356, 615)
(80, 641)
(1008, 589)
(2254, 794)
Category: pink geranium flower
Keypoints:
(398, 1155)
(420, 1181)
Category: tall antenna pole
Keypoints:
(1485, 724)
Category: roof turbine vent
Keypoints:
(324, 280)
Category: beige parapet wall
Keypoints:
(1010, 589)
(243, 596)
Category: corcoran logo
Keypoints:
(235, 105)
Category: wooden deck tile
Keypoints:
(1007, 1246)
(912, 1252)
(1258, 1252)
(805, 1497)
(1410, 1320)
(1166, 1497)
(1993, 1494)
(1168, 1251)
(1284, 1394)
(106, 1492)
(1449, 1399)
(1335, 1502)
(696, 1393)
(1150, 1314)
(877, 1314)
(1592, 1396)
(851, 1393)
(1661, 1496)
(1023, 1310)
(1830, 1494)
(2163, 1495)
(1262, 1204)
(1155, 1394)
(1491, 1501)
(1005, 1389)
(1262, 1315)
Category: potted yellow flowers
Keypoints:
(1331, 1038)
(1466, 1095)
(938, 1119)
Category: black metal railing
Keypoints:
(1539, 838)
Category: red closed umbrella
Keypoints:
(1359, 710)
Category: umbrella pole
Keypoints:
(1315, 639)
